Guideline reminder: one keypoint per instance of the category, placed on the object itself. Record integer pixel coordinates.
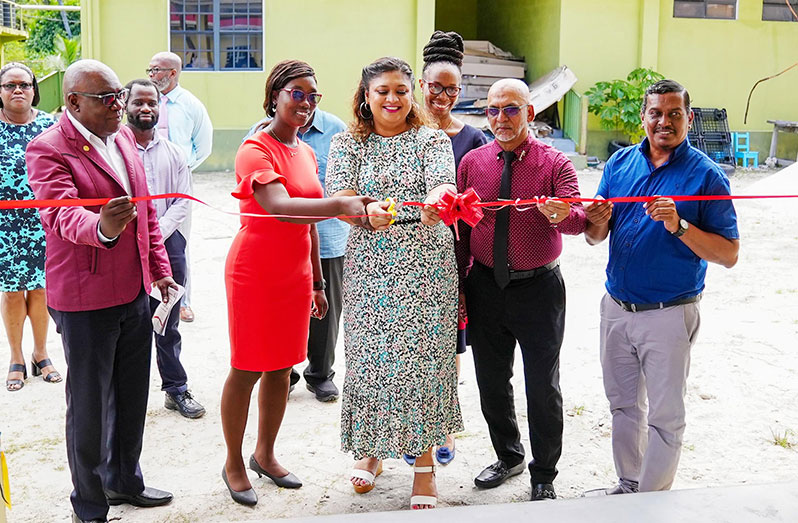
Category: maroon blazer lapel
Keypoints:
(86, 150)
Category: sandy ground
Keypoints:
(742, 394)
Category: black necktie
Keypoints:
(501, 269)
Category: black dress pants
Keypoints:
(108, 371)
(324, 332)
(532, 313)
(168, 347)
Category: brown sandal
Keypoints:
(11, 385)
(36, 370)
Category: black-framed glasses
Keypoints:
(24, 86)
(107, 99)
(509, 111)
(435, 88)
(156, 70)
(298, 95)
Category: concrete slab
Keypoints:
(740, 504)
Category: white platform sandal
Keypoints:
(366, 476)
(423, 500)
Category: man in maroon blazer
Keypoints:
(101, 264)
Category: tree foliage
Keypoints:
(43, 26)
(617, 103)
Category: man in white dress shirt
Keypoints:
(184, 121)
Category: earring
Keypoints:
(365, 111)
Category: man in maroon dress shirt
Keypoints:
(513, 289)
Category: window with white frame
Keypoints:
(780, 11)
(718, 9)
(217, 35)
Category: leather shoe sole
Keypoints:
(324, 395)
(149, 497)
(543, 491)
(76, 519)
(496, 479)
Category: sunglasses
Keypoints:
(107, 99)
(435, 88)
(156, 70)
(509, 111)
(298, 95)
(24, 86)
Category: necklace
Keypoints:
(9, 120)
(451, 121)
(271, 133)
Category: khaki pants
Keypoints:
(646, 356)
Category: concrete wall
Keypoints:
(458, 15)
(337, 37)
(717, 60)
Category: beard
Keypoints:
(145, 125)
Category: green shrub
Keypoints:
(617, 103)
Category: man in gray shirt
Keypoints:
(167, 172)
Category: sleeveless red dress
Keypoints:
(268, 274)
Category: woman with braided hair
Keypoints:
(440, 84)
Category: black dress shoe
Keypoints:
(149, 497)
(185, 404)
(76, 519)
(287, 481)
(245, 497)
(542, 491)
(324, 391)
(496, 474)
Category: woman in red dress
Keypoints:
(273, 273)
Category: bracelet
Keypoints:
(320, 285)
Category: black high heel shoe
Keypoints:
(11, 385)
(287, 481)
(245, 497)
(36, 370)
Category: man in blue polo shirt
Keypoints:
(332, 244)
(655, 276)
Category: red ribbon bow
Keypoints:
(454, 207)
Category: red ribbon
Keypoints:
(452, 207)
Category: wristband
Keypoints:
(320, 285)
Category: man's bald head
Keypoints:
(168, 59)
(85, 82)
(164, 70)
(509, 112)
(83, 74)
(511, 86)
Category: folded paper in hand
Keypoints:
(163, 310)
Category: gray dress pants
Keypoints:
(646, 356)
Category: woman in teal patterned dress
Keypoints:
(21, 233)
(400, 285)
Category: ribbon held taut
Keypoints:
(452, 206)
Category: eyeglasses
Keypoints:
(435, 88)
(24, 86)
(509, 111)
(156, 70)
(107, 99)
(298, 95)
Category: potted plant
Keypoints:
(617, 104)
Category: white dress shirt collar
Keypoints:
(108, 150)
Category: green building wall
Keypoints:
(717, 60)
(337, 37)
